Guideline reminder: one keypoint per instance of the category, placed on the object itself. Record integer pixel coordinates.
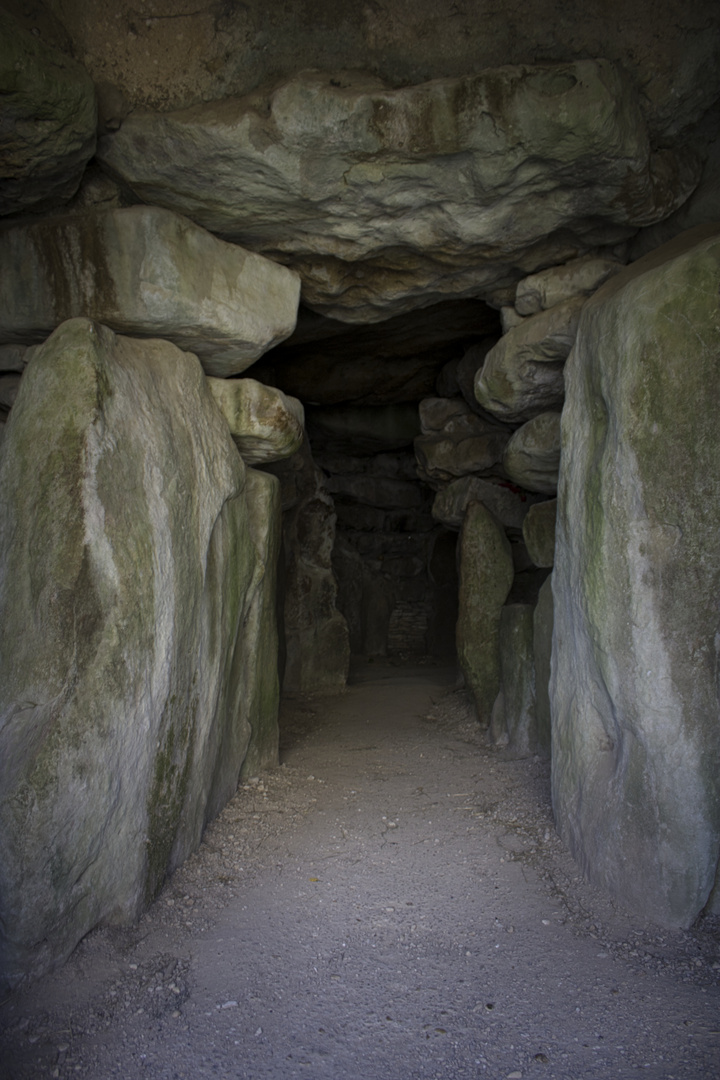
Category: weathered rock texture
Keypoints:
(456, 442)
(266, 424)
(48, 119)
(636, 734)
(486, 573)
(149, 272)
(137, 659)
(315, 648)
(386, 199)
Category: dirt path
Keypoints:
(391, 904)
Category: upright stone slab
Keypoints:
(130, 561)
(636, 725)
(517, 672)
(148, 272)
(542, 653)
(486, 573)
(315, 647)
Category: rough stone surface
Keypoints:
(128, 566)
(444, 458)
(315, 649)
(148, 272)
(532, 456)
(542, 653)
(517, 674)
(523, 374)
(485, 576)
(507, 504)
(48, 119)
(388, 199)
(538, 530)
(377, 491)
(266, 424)
(579, 277)
(636, 739)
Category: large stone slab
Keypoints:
(48, 119)
(485, 575)
(532, 456)
(131, 553)
(145, 271)
(388, 199)
(523, 374)
(266, 424)
(636, 731)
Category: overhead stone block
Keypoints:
(636, 735)
(579, 277)
(48, 121)
(486, 573)
(523, 374)
(532, 456)
(130, 561)
(146, 272)
(389, 199)
(266, 424)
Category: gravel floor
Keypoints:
(391, 903)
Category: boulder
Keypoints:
(542, 653)
(579, 277)
(538, 530)
(485, 576)
(389, 199)
(523, 374)
(266, 424)
(636, 737)
(532, 456)
(130, 557)
(517, 675)
(48, 121)
(442, 458)
(146, 272)
(504, 501)
(315, 648)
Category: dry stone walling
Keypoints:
(138, 549)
